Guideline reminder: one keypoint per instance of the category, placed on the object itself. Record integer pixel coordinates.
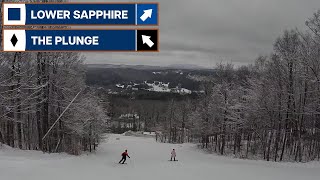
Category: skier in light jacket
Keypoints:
(173, 155)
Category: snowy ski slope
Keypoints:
(149, 161)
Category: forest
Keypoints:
(268, 110)
(45, 104)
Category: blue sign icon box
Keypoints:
(14, 14)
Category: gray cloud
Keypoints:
(205, 32)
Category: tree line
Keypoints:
(45, 104)
(269, 110)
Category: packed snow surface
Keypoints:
(149, 161)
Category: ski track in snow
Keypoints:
(149, 161)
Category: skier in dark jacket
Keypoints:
(124, 156)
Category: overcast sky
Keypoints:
(204, 32)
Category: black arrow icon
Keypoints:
(14, 40)
(147, 40)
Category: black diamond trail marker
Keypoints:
(14, 40)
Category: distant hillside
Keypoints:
(110, 75)
(123, 66)
(186, 66)
(146, 67)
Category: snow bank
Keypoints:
(139, 134)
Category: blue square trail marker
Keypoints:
(14, 14)
(147, 14)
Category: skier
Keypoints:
(173, 155)
(124, 156)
